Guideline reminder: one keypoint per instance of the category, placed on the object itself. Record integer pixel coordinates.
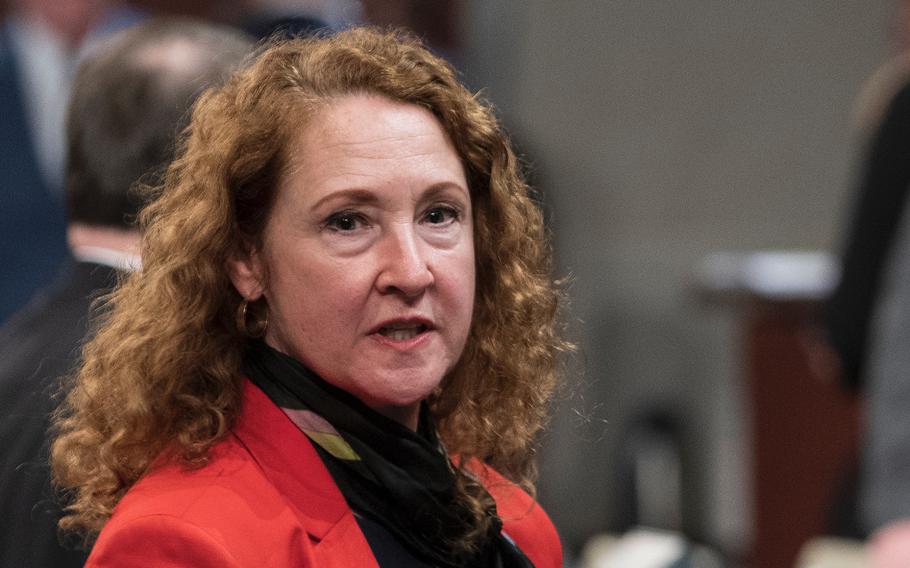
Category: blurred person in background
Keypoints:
(868, 315)
(131, 97)
(39, 44)
(262, 18)
(345, 320)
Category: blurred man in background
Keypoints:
(868, 315)
(130, 99)
(39, 44)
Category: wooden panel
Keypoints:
(804, 434)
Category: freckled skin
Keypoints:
(371, 226)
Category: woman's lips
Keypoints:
(403, 333)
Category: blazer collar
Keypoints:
(290, 462)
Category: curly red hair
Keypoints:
(162, 371)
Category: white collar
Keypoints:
(116, 259)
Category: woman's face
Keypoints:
(367, 263)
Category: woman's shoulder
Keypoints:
(230, 475)
(226, 512)
(524, 520)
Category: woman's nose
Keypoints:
(404, 267)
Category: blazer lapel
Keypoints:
(290, 462)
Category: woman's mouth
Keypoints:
(402, 331)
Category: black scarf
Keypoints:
(402, 479)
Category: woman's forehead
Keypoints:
(360, 136)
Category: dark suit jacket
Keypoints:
(32, 217)
(880, 204)
(265, 499)
(37, 346)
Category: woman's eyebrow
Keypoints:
(438, 189)
(356, 196)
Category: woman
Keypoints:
(342, 337)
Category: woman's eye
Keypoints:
(441, 215)
(345, 221)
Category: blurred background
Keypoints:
(697, 162)
(660, 133)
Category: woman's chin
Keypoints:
(393, 387)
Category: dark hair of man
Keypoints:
(131, 97)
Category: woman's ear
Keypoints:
(247, 274)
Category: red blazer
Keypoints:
(265, 499)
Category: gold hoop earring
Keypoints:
(255, 329)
